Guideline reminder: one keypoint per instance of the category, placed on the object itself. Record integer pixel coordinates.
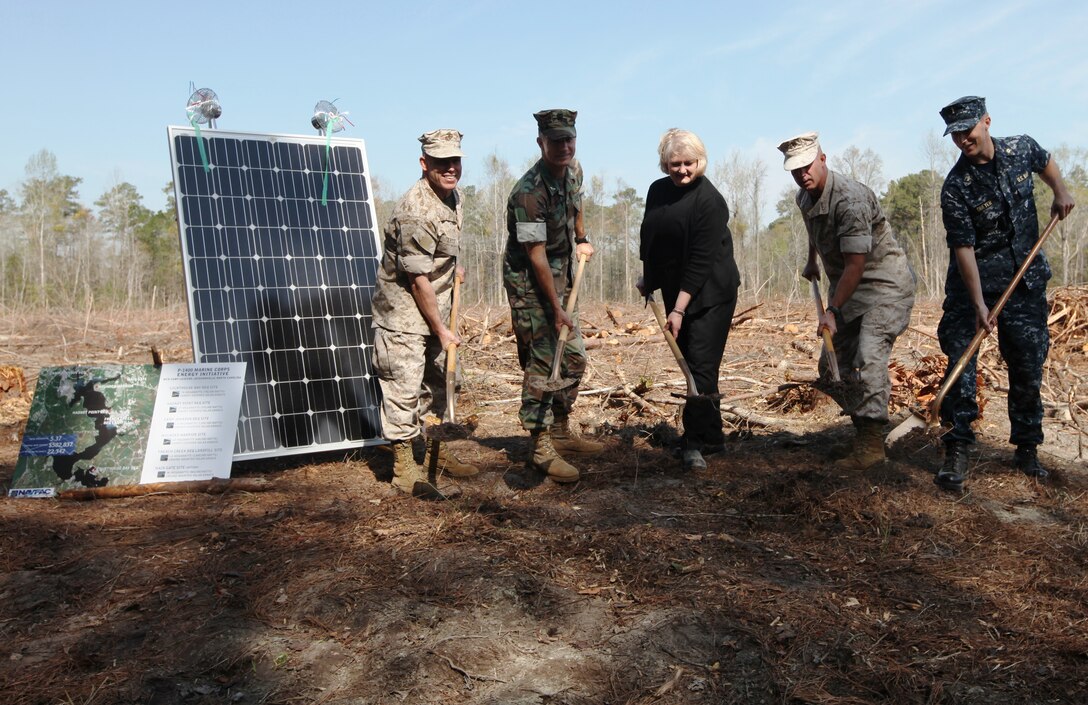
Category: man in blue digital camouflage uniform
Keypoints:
(989, 215)
(544, 222)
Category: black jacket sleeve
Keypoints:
(706, 235)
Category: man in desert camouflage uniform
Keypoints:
(988, 207)
(544, 222)
(871, 296)
(411, 306)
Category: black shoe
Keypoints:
(1027, 462)
(712, 448)
(954, 470)
(693, 460)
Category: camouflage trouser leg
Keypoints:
(1024, 342)
(863, 349)
(411, 369)
(537, 338)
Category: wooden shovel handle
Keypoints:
(451, 350)
(980, 335)
(557, 360)
(832, 358)
(659, 314)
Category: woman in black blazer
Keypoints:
(687, 253)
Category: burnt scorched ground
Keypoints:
(767, 578)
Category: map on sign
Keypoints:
(88, 427)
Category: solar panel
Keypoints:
(282, 281)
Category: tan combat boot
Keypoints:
(447, 462)
(566, 440)
(545, 459)
(406, 473)
(845, 447)
(868, 447)
(410, 478)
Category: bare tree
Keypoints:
(48, 204)
(940, 155)
(485, 231)
(596, 219)
(629, 206)
(741, 182)
(1066, 247)
(384, 202)
(121, 215)
(866, 166)
(10, 245)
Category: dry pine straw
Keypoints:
(851, 589)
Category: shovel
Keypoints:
(829, 347)
(553, 382)
(702, 414)
(933, 420)
(450, 429)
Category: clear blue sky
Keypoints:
(97, 83)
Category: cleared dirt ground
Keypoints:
(767, 578)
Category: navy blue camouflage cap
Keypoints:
(963, 114)
(556, 123)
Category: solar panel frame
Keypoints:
(275, 279)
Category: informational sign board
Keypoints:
(93, 426)
(195, 420)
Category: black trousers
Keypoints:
(702, 339)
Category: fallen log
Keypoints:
(214, 486)
(641, 403)
(620, 339)
(751, 417)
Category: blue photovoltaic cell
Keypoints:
(283, 283)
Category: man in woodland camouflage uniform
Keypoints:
(871, 296)
(988, 206)
(412, 303)
(544, 222)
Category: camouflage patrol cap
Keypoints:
(556, 123)
(800, 151)
(963, 114)
(442, 144)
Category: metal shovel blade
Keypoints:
(547, 385)
(449, 431)
(914, 421)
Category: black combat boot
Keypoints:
(1027, 462)
(954, 470)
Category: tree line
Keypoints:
(57, 252)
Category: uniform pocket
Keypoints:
(1023, 187)
(518, 284)
(448, 244)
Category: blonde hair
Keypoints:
(681, 143)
